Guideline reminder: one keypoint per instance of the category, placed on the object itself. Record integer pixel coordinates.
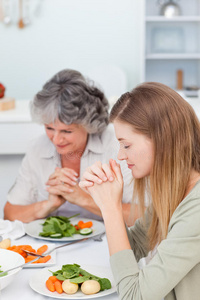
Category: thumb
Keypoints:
(116, 169)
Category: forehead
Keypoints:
(123, 130)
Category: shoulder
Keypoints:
(187, 214)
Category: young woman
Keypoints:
(159, 135)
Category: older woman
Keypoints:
(75, 117)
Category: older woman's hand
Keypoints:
(63, 176)
(73, 196)
(104, 183)
(63, 182)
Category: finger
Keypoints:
(116, 169)
(53, 182)
(65, 188)
(59, 190)
(67, 180)
(96, 169)
(61, 180)
(108, 172)
(55, 174)
(87, 176)
(85, 184)
(69, 175)
(69, 172)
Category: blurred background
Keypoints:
(96, 37)
(78, 34)
(116, 43)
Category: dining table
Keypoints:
(88, 252)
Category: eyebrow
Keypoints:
(121, 139)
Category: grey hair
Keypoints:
(72, 99)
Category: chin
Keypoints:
(62, 151)
(139, 176)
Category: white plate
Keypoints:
(34, 228)
(35, 246)
(37, 283)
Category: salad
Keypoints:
(72, 277)
(60, 226)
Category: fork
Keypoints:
(39, 255)
(97, 238)
(51, 250)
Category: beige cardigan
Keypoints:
(174, 271)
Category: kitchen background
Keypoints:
(117, 43)
(78, 34)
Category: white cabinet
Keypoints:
(172, 44)
(17, 129)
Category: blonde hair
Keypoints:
(160, 113)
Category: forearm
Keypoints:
(115, 230)
(28, 213)
(87, 202)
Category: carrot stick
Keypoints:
(42, 260)
(28, 248)
(50, 285)
(29, 258)
(80, 223)
(42, 249)
(58, 287)
(86, 225)
(53, 279)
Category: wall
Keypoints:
(79, 34)
(9, 165)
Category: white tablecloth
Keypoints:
(89, 252)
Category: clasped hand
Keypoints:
(104, 183)
(63, 182)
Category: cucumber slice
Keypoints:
(56, 235)
(86, 231)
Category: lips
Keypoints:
(62, 146)
(130, 166)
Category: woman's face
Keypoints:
(68, 139)
(135, 148)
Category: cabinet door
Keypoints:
(17, 136)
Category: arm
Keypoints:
(34, 211)
(177, 256)
(63, 182)
(101, 181)
(22, 199)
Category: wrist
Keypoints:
(112, 210)
(44, 208)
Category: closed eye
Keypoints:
(123, 146)
(66, 131)
(49, 128)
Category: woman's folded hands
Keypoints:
(104, 182)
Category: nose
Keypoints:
(57, 138)
(121, 154)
